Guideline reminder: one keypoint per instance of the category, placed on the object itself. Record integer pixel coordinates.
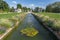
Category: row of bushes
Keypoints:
(51, 22)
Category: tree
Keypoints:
(55, 7)
(28, 9)
(24, 9)
(4, 6)
(49, 8)
(56, 10)
(12, 9)
(36, 9)
(19, 6)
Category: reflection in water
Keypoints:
(30, 21)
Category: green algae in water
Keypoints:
(29, 31)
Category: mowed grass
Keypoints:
(50, 19)
(52, 15)
(8, 15)
(11, 17)
(10, 20)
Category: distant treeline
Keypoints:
(4, 6)
(54, 7)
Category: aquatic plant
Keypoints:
(29, 31)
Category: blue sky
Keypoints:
(31, 3)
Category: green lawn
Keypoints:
(50, 19)
(52, 15)
(2, 31)
(8, 15)
(9, 20)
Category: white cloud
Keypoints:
(32, 5)
(14, 2)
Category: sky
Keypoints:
(31, 3)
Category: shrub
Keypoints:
(56, 25)
(6, 22)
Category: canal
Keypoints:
(30, 21)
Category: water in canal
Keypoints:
(30, 21)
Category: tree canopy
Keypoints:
(24, 9)
(12, 9)
(19, 6)
(55, 7)
(4, 6)
(36, 9)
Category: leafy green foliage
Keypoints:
(24, 9)
(12, 9)
(19, 6)
(36, 9)
(4, 6)
(55, 7)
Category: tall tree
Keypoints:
(12, 9)
(19, 6)
(36, 9)
(28, 9)
(4, 6)
(49, 8)
(24, 9)
(55, 7)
